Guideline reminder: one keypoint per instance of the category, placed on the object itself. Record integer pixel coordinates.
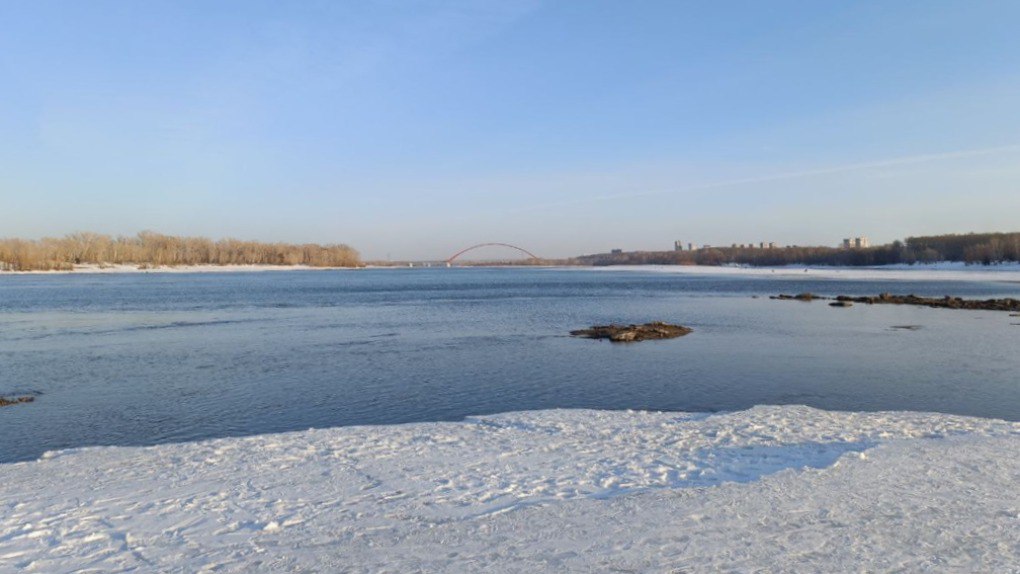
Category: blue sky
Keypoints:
(410, 129)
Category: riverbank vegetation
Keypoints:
(150, 249)
(972, 248)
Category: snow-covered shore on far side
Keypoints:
(91, 269)
(945, 271)
(768, 489)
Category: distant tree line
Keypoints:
(972, 248)
(155, 249)
(984, 248)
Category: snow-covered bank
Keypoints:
(778, 488)
(95, 269)
(947, 271)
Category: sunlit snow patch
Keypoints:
(548, 490)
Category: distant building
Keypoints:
(617, 252)
(856, 243)
(678, 246)
(691, 247)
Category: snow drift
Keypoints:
(778, 488)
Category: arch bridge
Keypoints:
(453, 257)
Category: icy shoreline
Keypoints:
(779, 488)
(946, 271)
(92, 269)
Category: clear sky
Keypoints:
(410, 129)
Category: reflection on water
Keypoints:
(142, 359)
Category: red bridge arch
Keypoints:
(480, 245)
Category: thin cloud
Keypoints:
(862, 166)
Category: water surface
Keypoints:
(139, 359)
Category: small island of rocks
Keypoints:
(947, 302)
(633, 333)
(5, 402)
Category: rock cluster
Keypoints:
(632, 333)
(798, 297)
(946, 302)
(4, 402)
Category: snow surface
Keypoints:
(92, 269)
(771, 488)
(945, 271)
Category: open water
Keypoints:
(139, 359)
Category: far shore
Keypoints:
(1009, 272)
(92, 268)
(946, 270)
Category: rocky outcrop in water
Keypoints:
(946, 302)
(798, 297)
(5, 402)
(633, 333)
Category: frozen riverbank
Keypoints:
(777, 487)
(92, 269)
(946, 271)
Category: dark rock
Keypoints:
(946, 302)
(798, 297)
(632, 333)
(5, 402)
